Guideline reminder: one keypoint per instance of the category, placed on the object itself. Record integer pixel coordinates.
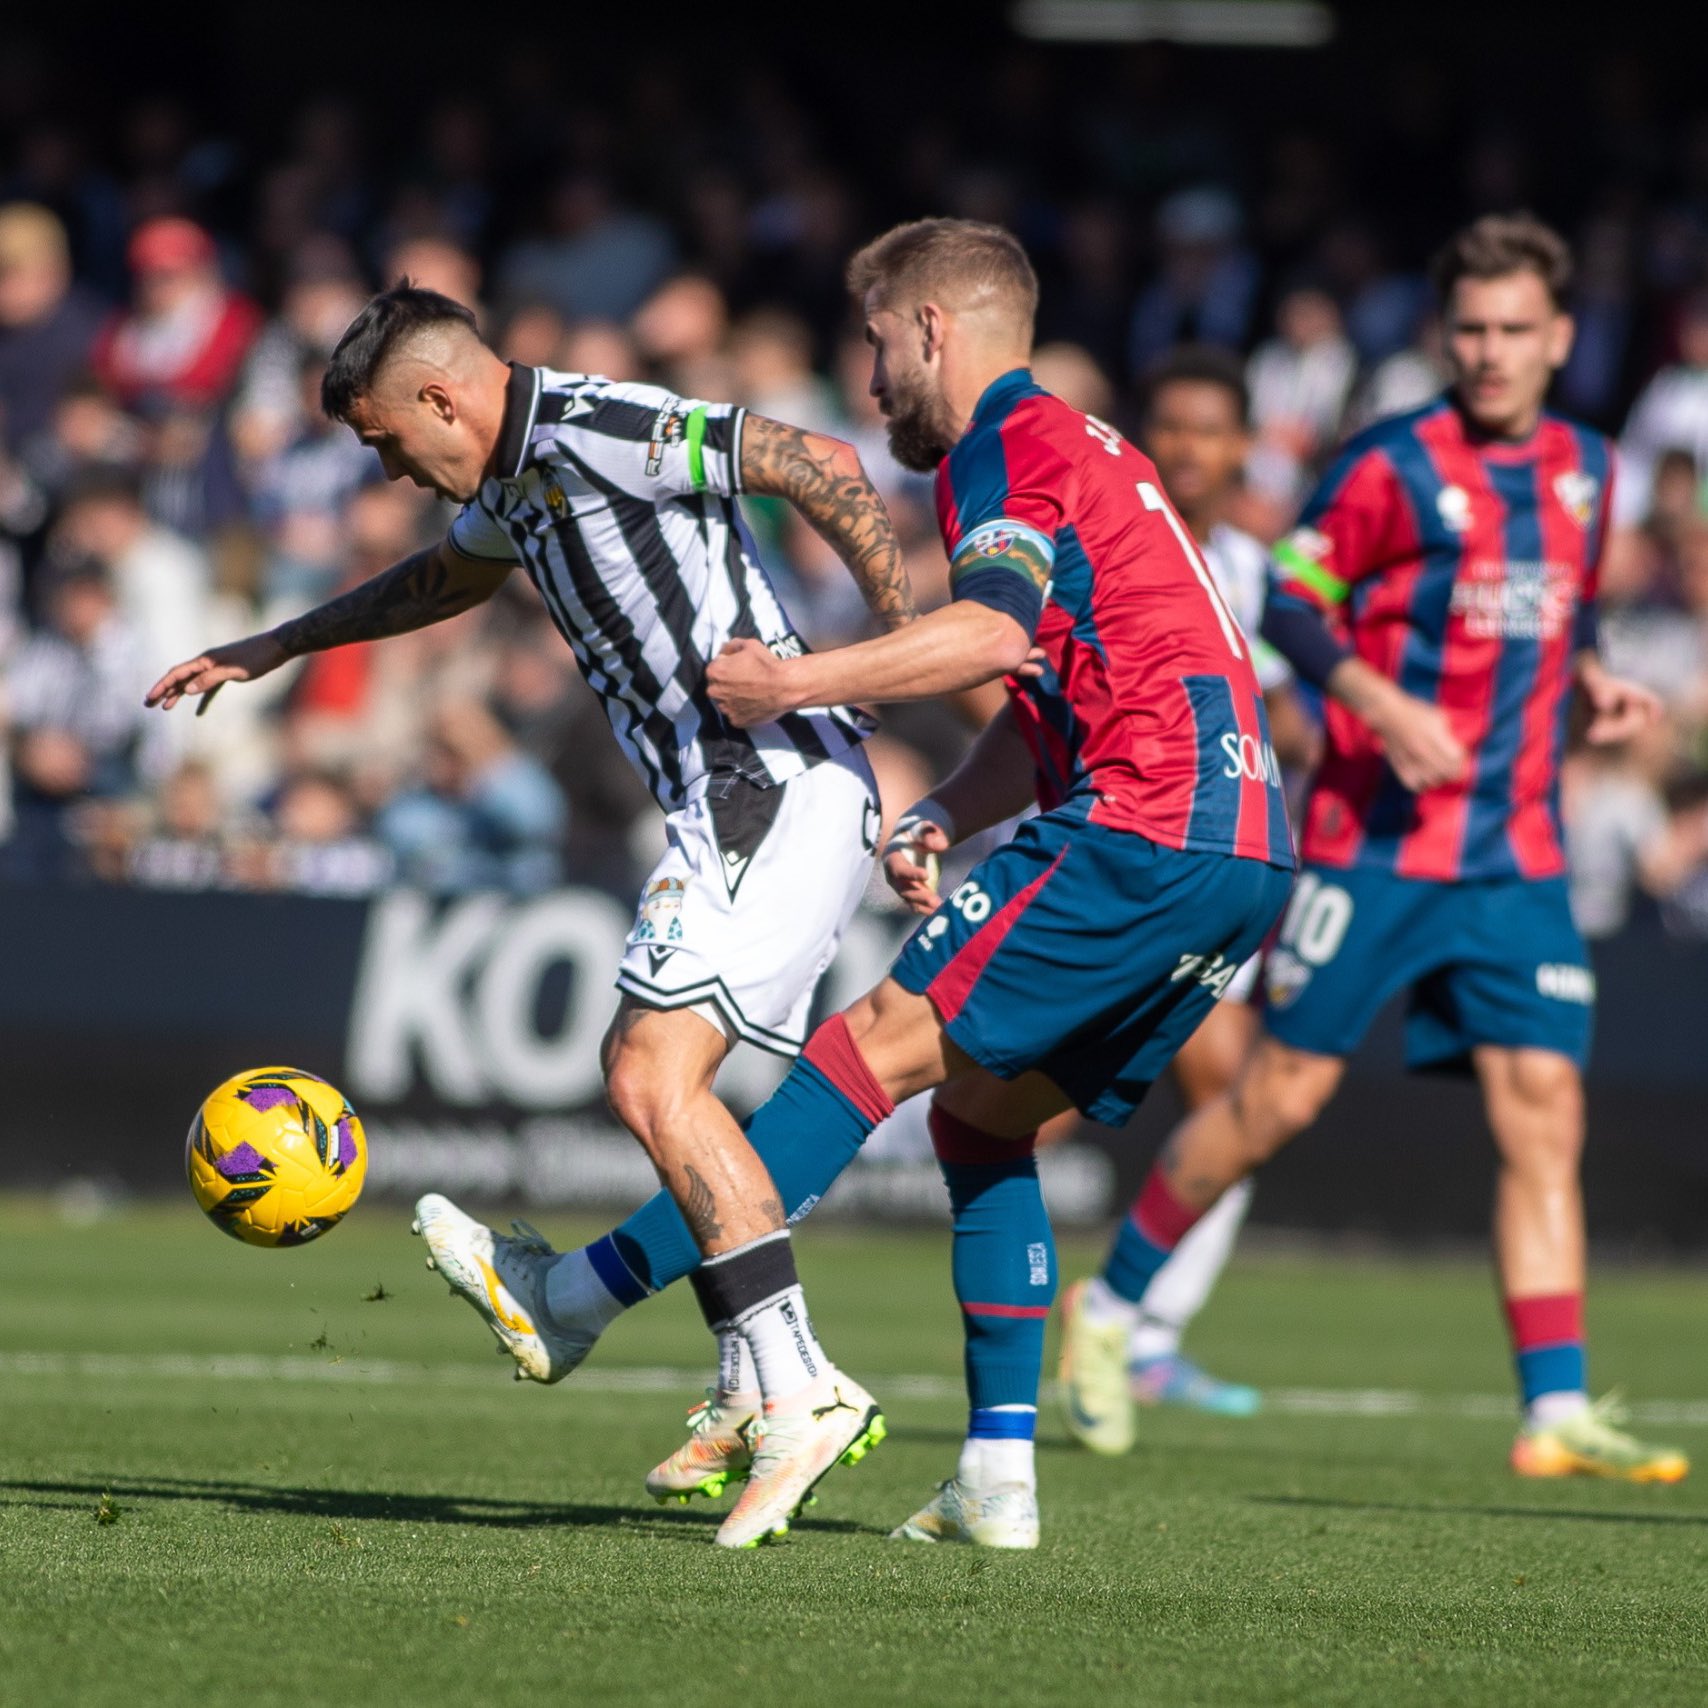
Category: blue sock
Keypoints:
(809, 1130)
(1004, 1269)
(1146, 1238)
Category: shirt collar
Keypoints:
(521, 402)
(1001, 392)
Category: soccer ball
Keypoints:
(276, 1156)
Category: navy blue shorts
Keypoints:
(1492, 961)
(1089, 954)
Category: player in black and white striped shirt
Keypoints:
(619, 500)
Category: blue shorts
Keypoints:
(1089, 954)
(1490, 961)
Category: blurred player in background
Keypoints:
(620, 502)
(1441, 591)
(1075, 960)
(1196, 431)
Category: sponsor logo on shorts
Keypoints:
(1214, 972)
(1284, 976)
(660, 916)
(1038, 1265)
(1566, 983)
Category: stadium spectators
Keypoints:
(163, 460)
(47, 323)
(183, 340)
(483, 814)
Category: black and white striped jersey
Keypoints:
(619, 500)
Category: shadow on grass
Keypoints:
(1416, 1510)
(682, 1523)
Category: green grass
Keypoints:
(174, 1536)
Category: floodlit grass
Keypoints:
(371, 1513)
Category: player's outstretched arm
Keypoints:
(956, 646)
(824, 479)
(425, 588)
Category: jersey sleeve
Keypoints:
(1001, 500)
(1586, 625)
(650, 443)
(1354, 525)
(476, 532)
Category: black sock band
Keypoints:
(730, 1285)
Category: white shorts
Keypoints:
(744, 912)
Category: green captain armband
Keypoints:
(1299, 558)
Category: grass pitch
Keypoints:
(234, 1476)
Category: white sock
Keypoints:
(736, 1375)
(1104, 1305)
(1152, 1338)
(787, 1357)
(1546, 1410)
(1178, 1290)
(988, 1461)
(577, 1298)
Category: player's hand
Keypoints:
(1619, 709)
(748, 683)
(240, 661)
(912, 861)
(1418, 742)
(1036, 662)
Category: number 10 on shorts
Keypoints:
(1316, 920)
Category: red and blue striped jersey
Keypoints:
(1460, 568)
(1148, 705)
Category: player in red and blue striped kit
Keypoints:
(1076, 959)
(1441, 590)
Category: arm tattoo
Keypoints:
(422, 589)
(823, 479)
(701, 1210)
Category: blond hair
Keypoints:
(30, 233)
(959, 263)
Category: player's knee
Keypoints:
(960, 1142)
(1280, 1094)
(639, 1095)
(1536, 1109)
(1544, 1081)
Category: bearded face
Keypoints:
(920, 438)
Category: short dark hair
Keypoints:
(1499, 245)
(370, 338)
(1199, 364)
(924, 258)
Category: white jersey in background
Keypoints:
(1240, 565)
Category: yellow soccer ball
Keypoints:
(276, 1156)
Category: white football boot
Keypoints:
(1002, 1517)
(718, 1451)
(1097, 1401)
(504, 1278)
(793, 1450)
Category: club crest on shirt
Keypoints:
(660, 918)
(1576, 492)
(1453, 504)
(557, 501)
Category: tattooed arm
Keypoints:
(426, 588)
(824, 480)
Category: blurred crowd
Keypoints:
(170, 291)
